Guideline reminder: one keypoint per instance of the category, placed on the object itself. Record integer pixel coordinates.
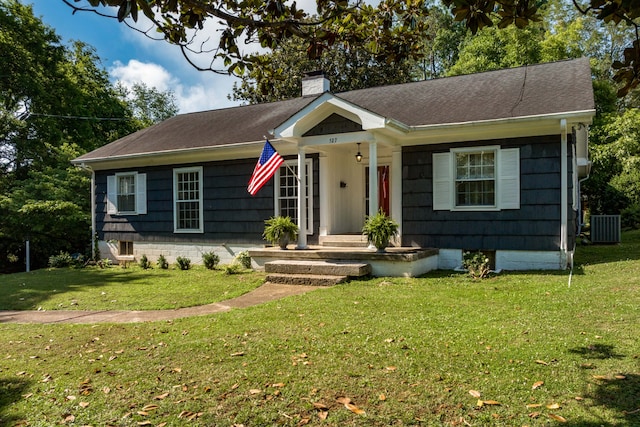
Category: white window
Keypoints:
(127, 193)
(479, 178)
(286, 192)
(187, 196)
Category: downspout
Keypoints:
(93, 209)
(564, 193)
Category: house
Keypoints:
(490, 161)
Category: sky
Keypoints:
(131, 57)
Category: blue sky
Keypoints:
(131, 57)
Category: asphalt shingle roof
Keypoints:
(558, 87)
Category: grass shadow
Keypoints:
(627, 249)
(24, 291)
(619, 394)
(597, 351)
(11, 391)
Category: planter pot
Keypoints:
(284, 241)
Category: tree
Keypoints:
(149, 104)
(279, 73)
(56, 103)
(395, 29)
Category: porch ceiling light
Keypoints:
(358, 155)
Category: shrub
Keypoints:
(144, 262)
(104, 263)
(183, 263)
(243, 258)
(630, 217)
(210, 260)
(477, 264)
(63, 259)
(233, 268)
(162, 262)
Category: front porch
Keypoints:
(395, 262)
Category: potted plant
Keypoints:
(279, 230)
(379, 229)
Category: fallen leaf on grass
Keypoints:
(83, 404)
(150, 407)
(534, 405)
(620, 377)
(553, 406)
(534, 415)
(238, 354)
(255, 391)
(382, 397)
(320, 406)
(190, 415)
(474, 393)
(491, 402)
(323, 415)
(354, 409)
(537, 384)
(343, 399)
(144, 423)
(161, 396)
(541, 362)
(558, 418)
(391, 368)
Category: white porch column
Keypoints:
(324, 195)
(302, 200)
(396, 189)
(373, 178)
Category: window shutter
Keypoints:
(509, 184)
(141, 193)
(112, 195)
(442, 177)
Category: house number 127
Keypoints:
(333, 140)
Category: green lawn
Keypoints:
(403, 351)
(116, 288)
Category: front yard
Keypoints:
(516, 349)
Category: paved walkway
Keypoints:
(265, 293)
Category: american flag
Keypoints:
(267, 165)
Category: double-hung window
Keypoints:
(478, 178)
(286, 192)
(475, 179)
(187, 196)
(127, 193)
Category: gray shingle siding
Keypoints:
(230, 214)
(535, 226)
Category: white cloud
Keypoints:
(153, 75)
(201, 93)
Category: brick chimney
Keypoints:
(314, 83)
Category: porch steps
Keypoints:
(343, 241)
(316, 273)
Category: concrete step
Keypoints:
(344, 241)
(306, 279)
(328, 268)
